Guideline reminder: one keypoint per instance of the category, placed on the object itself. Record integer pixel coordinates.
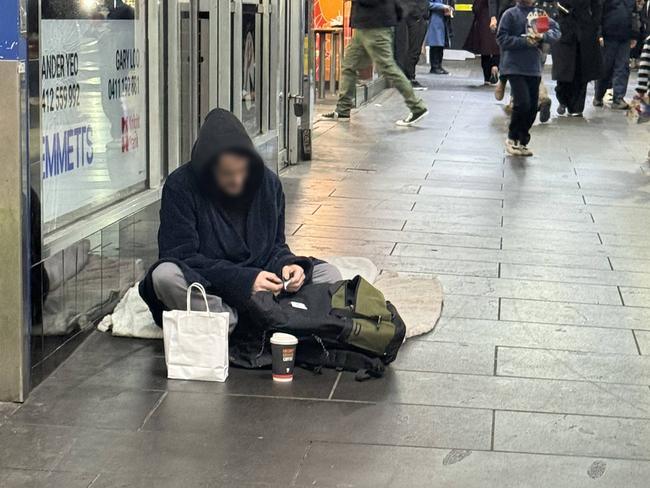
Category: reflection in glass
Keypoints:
(93, 105)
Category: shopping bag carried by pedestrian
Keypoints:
(196, 343)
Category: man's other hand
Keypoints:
(296, 274)
(266, 281)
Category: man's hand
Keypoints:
(601, 41)
(632, 43)
(266, 281)
(449, 11)
(534, 38)
(296, 274)
(493, 24)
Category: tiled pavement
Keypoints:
(537, 375)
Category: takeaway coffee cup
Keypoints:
(283, 348)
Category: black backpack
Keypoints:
(347, 325)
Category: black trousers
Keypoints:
(435, 56)
(572, 94)
(488, 62)
(409, 36)
(525, 98)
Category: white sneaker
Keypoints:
(513, 148)
(525, 151)
(412, 118)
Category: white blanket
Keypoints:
(419, 301)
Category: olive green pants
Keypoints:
(369, 46)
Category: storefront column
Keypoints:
(14, 206)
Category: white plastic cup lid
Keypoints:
(283, 339)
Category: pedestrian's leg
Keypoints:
(521, 108)
(378, 44)
(544, 102)
(609, 54)
(563, 93)
(325, 273)
(402, 46)
(355, 57)
(436, 54)
(579, 97)
(417, 32)
(170, 287)
(486, 66)
(621, 71)
(533, 83)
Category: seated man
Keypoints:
(222, 225)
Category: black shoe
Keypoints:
(439, 71)
(334, 116)
(620, 104)
(494, 78)
(545, 110)
(417, 86)
(598, 102)
(561, 109)
(413, 118)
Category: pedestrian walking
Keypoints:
(409, 37)
(482, 40)
(372, 42)
(577, 59)
(521, 61)
(619, 27)
(439, 33)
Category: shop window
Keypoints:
(93, 101)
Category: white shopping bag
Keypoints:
(196, 343)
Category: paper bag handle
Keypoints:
(199, 287)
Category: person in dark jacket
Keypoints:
(618, 37)
(372, 41)
(439, 33)
(222, 225)
(521, 62)
(577, 59)
(482, 40)
(409, 35)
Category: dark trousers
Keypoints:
(525, 98)
(572, 94)
(488, 62)
(435, 56)
(409, 36)
(616, 69)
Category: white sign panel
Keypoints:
(93, 110)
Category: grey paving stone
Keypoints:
(109, 407)
(312, 246)
(445, 357)
(398, 236)
(20, 478)
(528, 334)
(572, 365)
(46, 447)
(630, 264)
(643, 340)
(465, 306)
(335, 465)
(527, 289)
(615, 316)
(436, 266)
(574, 435)
(501, 393)
(575, 275)
(635, 297)
(296, 421)
(502, 256)
(206, 456)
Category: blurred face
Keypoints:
(231, 173)
(527, 3)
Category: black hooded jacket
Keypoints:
(196, 232)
